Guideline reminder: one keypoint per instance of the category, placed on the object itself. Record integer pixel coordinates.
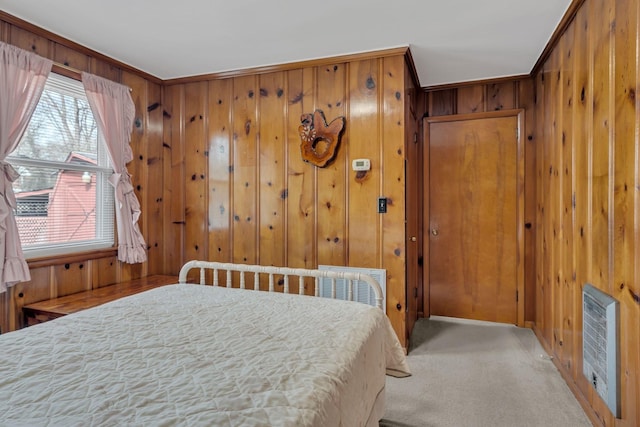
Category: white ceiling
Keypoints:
(451, 41)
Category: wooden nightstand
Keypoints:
(43, 311)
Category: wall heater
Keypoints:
(600, 354)
(361, 290)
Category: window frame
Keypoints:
(105, 227)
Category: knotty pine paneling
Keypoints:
(112, 72)
(27, 40)
(70, 278)
(151, 155)
(264, 204)
(624, 284)
(392, 175)
(364, 141)
(588, 201)
(493, 96)
(219, 223)
(556, 229)
(301, 183)
(567, 284)
(62, 276)
(272, 153)
(333, 202)
(501, 96)
(414, 206)
(70, 58)
(540, 182)
(581, 114)
(104, 271)
(470, 99)
(525, 100)
(246, 171)
(548, 228)
(195, 164)
(174, 171)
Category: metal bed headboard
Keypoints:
(301, 273)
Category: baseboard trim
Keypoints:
(582, 400)
(529, 325)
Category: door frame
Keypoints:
(519, 114)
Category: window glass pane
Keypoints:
(63, 212)
(61, 125)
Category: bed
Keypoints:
(187, 354)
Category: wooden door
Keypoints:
(474, 210)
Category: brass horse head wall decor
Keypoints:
(319, 141)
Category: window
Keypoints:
(64, 201)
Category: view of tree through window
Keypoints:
(62, 193)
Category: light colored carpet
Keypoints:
(477, 374)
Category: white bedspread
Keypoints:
(199, 355)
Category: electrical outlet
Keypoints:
(382, 205)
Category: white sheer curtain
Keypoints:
(22, 78)
(114, 112)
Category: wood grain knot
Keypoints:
(370, 83)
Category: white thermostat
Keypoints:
(361, 164)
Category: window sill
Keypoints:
(71, 258)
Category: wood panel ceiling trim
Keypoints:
(482, 82)
(13, 20)
(292, 65)
(566, 20)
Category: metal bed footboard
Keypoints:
(285, 272)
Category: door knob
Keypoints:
(434, 232)
(414, 239)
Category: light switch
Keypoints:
(382, 205)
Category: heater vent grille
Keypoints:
(600, 345)
(362, 292)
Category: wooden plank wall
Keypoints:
(588, 199)
(64, 276)
(240, 192)
(498, 95)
